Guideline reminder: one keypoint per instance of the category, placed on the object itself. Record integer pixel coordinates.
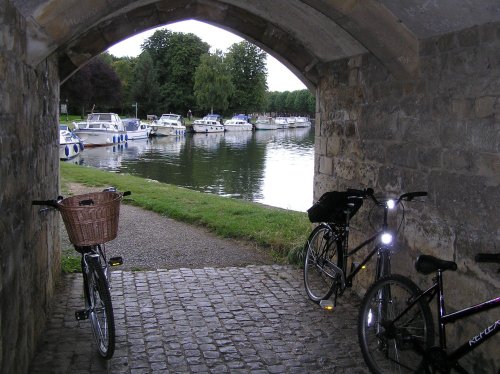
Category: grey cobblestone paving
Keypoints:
(254, 319)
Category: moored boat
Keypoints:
(168, 125)
(281, 122)
(101, 129)
(302, 122)
(209, 123)
(237, 124)
(70, 145)
(265, 123)
(136, 129)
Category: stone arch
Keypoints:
(287, 30)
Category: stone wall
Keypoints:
(29, 241)
(439, 133)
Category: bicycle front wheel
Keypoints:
(392, 335)
(322, 251)
(100, 309)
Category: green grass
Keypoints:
(282, 232)
(70, 263)
(70, 119)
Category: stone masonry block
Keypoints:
(333, 146)
(353, 77)
(446, 43)
(457, 160)
(403, 155)
(430, 158)
(355, 62)
(344, 169)
(468, 37)
(484, 106)
(462, 107)
(320, 145)
(453, 134)
(484, 135)
(487, 164)
(326, 165)
(373, 151)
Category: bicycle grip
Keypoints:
(360, 193)
(488, 257)
(52, 203)
(410, 195)
(127, 193)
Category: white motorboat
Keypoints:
(70, 145)
(237, 124)
(136, 129)
(101, 129)
(168, 125)
(265, 123)
(209, 123)
(282, 122)
(302, 122)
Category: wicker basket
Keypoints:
(92, 224)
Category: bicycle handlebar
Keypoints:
(368, 192)
(55, 203)
(52, 203)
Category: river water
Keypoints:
(273, 167)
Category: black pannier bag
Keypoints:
(331, 207)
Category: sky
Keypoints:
(279, 78)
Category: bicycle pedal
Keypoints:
(81, 315)
(326, 305)
(115, 261)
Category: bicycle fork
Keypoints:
(89, 261)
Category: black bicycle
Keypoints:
(92, 220)
(396, 330)
(327, 254)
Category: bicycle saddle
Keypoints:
(426, 264)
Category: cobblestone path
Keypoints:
(254, 319)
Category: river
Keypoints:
(273, 167)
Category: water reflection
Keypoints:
(274, 167)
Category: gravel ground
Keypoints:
(148, 241)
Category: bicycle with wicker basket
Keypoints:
(91, 220)
(327, 270)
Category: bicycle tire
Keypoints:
(100, 308)
(388, 346)
(322, 248)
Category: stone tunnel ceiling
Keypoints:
(303, 35)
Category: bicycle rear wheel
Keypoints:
(391, 338)
(100, 309)
(322, 251)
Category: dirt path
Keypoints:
(147, 241)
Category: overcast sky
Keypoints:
(279, 78)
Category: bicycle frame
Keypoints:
(348, 276)
(379, 249)
(446, 318)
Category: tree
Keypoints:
(144, 88)
(271, 102)
(249, 75)
(280, 102)
(301, 103)
(95, 84)
(175, 57)
(124, 68)
(290, 101)
(212, 82)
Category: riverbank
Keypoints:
(280, 232)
